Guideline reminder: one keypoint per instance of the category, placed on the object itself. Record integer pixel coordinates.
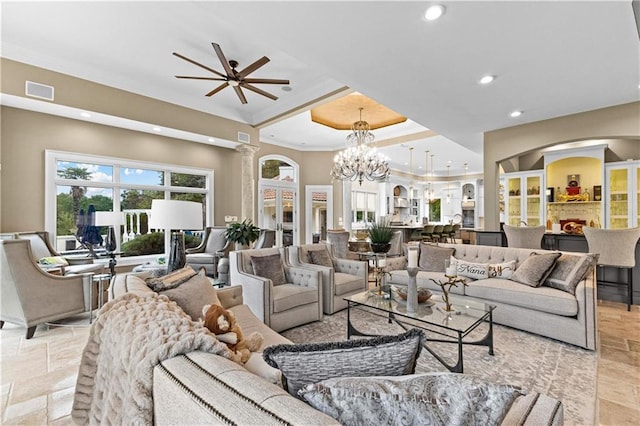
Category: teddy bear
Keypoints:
(222, 323)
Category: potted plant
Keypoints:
(380, 234)
(242, 233)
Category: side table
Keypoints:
(100, 279)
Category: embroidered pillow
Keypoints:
(269, 267)
(478, 271)
(309, 363)
(535, 269)
(171, 280)
(570, 269)
(432, 257)
(320, 257)
(53, 261)
(193, 294)
(502, 270)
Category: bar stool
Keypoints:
(437, 233)
(427, 232)
(616, 248)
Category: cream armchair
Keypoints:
(29, 296)
(214, 246)
(281, 295)
(340, 277)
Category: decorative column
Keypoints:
(248, 181)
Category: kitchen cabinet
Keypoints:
(622, 194)
(524, 198)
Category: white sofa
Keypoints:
(202, 388)
(541, 310)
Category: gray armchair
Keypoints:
(266, 239)
(280, 305)
(29, 296)
(41, 247)
(341, 279)
(214, 246)
(524, 236)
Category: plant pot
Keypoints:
(380, 247)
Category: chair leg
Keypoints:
(1, 324)
(630, 295)
(31, 331)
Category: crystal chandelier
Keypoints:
(360, 161)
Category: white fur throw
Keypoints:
(131, 335)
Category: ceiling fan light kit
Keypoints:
(232, 77)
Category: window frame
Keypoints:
(52, 181)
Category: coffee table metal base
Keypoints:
(486, 340)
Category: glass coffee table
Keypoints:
(447, 327)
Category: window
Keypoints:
(363, 205)
(79, 182)
(434, 210)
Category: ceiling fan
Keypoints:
(234, 78)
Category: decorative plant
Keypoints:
(243, 233)
(379, 231)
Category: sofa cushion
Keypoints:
(193, 294)
(423, 279)
(535, 269)
(171, 280)
(269, 267)
(347, 283)
(569, 270)
(478, 271)
(502, 270)
(425, 399)
(287, 296)
(320, 257)
(432, 257)
(308, 363)
(544, 299)
(201, 258)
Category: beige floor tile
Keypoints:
(634, 345)
(50, 382)
(60, 403)
(617, 391)
(614, 341)
(26, 408)
(612, 414)
(617, 371)
(617, 355)
(63, 421)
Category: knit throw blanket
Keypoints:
(131, 335)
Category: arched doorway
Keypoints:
(278, 201)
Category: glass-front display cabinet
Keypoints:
(623, 197)
(524, 198)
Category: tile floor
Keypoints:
(37, 376)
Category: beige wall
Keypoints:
(617, 122)
(26, 135)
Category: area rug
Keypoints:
(532, 362)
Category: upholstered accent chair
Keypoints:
(616, 248)
(266, 239)
(524, 236)
(340, 277)
(214, 246)
(280, 294)
(396, 245)
(41, 247)
(339, 241)
(30, 296)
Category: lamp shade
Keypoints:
(175, 214)
(109, 219)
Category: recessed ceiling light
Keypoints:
(157, 129)
(211, 140)
(434, 12)
(286, 88)
(515, 114)
(85, 114)
(487, 79)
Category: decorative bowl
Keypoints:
(424, 294)
(362, 235)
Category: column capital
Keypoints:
(247, 150)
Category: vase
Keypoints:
(380, 247)
(412, 291)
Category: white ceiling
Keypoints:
(550, 58)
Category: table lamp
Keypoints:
(176, 216)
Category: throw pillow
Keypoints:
(312, 362)
(425, 399)
(570, 269)
(502, 270)
(320, 257)
(269, 267)
(53, 261)
(193, 294)
(535, 269)
(432, 257)
(478, 271)
(171, 280)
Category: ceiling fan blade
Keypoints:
(240, 94)
(223, 60)
(265, 81)
(254, 66)
(201, 78)
(217, 89)
(259, 91)
(198, 64)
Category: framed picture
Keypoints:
(573, 180)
